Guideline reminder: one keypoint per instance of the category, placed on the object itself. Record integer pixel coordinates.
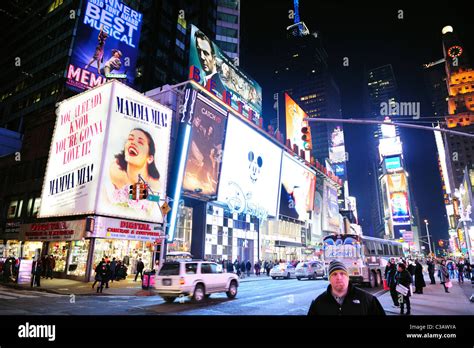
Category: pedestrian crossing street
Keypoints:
(13, 294)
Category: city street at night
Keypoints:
(258, 296)
(309, 162)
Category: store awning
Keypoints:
(284, 243)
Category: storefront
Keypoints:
(184, 231)
(64, 240)
(231, 236)
(127, 241)
(282, 240)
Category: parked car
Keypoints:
(197, 279)
(283, 270)
(310, 270)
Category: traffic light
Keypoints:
(132, 194)
(143, 193)
(306, 137)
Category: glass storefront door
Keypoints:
(59, 251)
(29, 249)
(77, 264)
(127, 251)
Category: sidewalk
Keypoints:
(121, 288)
(434, 301)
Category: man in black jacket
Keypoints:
(343, 298)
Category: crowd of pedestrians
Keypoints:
(403, 275)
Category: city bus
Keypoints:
(365, 257)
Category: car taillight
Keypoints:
(181, 281)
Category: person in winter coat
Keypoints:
(36, 270)
(431, 270)
(390, 277)
(104, 273)
(460, 266)
(248, 267)
(419, 280)
(97, 276)
(411, 270)
(51, 265)
(269, 268)
(257, 268)
(243, 268)
(230, 267)
(113, 269)
(342, 298)
(444, 275)
(237, 267)
(403, 277)
(140, 267)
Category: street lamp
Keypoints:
(428, 235)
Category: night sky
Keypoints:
(369, 37)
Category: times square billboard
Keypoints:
(106, 45)
(102, 140)
(213, 69)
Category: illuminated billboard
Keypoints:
(294, 124)
(297, 189)
(205, 152)
(105, 46)
(398, 196)
(316, 223)
(330, 220)
(393, 163)
(337, 150)
(210, 67)
(250, 175)
(390, 146)
(103, 139)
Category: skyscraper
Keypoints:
(460, 86)
(392, 207)
(228, 27)
(38, 40)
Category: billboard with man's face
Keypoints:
(104, 139)
(106, 44)
(210, 67)
(205, 150)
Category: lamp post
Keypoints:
(428, 235)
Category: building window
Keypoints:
(227, 32)
(14, 209)
(33, 207)
(225, 17)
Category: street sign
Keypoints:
(153, 198)
(165, 208)
(408, 236)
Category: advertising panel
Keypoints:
(106, 44)
(138, 144)
(337, 150)
(205, 151)
(75, 155)
(397, 188)
(25, 271)
(97, 153)
(53, 231)
(330, 209)
(316, 225)
(250, 180)
(294, 123)
(390, 146)
(211, 68)
(393, 163)
(297, 189)
(340, 170)
(111, 228)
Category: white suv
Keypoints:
(197, 279)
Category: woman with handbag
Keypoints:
(403, 281)
(444, 276)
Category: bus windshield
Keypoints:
(342, 247)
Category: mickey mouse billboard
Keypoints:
(250, 175)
